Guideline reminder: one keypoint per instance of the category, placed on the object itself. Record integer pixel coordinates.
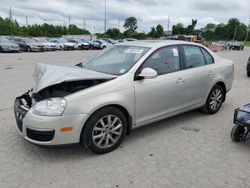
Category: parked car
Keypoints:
(81, 45)
(59, 46)
(102, 44)
(111, 41)
(28, 44)
(48, 46)
(128, 85)
(235, 45)
(67, 45)
(248, 67)
(8, 46)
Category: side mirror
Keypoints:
(148, 73)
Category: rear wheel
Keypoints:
(237, 133)
(214, 100)
(105, 130)
(248, 73)
(1, 50)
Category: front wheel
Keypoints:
(105, 130)
(214, 100)
(237, 133)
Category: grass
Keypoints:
(246, 43)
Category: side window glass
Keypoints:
(194, 56)
(164, 60)
(208, 57)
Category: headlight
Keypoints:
(50, 107)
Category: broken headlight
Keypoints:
(49, 107)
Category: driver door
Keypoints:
(161, 96)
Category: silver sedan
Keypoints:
(126, 86)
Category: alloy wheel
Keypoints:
(215, 100)
(107, 131)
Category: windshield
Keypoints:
(116, 60)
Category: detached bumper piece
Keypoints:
(41, 136)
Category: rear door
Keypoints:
(199, 70)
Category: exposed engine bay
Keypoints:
(65, 88)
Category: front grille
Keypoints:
(42, 136)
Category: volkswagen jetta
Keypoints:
(126, 86)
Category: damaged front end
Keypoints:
(51, 84)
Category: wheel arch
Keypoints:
(118, 106)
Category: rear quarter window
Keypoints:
(209, 59)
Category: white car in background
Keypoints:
(48, 46)
(59, 46)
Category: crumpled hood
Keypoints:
(47, 75)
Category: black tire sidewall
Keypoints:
(235, 133)
(208, 109)
(88, 128)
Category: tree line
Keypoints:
(234, 29)
(10, 27)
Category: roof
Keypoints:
(154, 43)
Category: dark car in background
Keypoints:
(28, 44)
(8, 46)
(248, 67)
(235, 45)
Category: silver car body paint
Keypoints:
(146, 100)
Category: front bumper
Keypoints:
(45, 130)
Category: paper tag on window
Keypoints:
(122, 71)
(175, 52)
(133, 51)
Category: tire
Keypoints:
(29, 49)
(97, 125)
(1, 50)
(236, 133)
(248, 73)
(214, 100)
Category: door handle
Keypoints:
(210, 74)
(180, 81)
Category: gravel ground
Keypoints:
(190, 150)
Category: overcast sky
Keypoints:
(148, 12)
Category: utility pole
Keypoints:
(69, 19)
(10, 13)
(84, 22)
(27, 23)
(248, 28)
(168, 22)
(105, 18)
(235, 31)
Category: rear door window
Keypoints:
(193, 56)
